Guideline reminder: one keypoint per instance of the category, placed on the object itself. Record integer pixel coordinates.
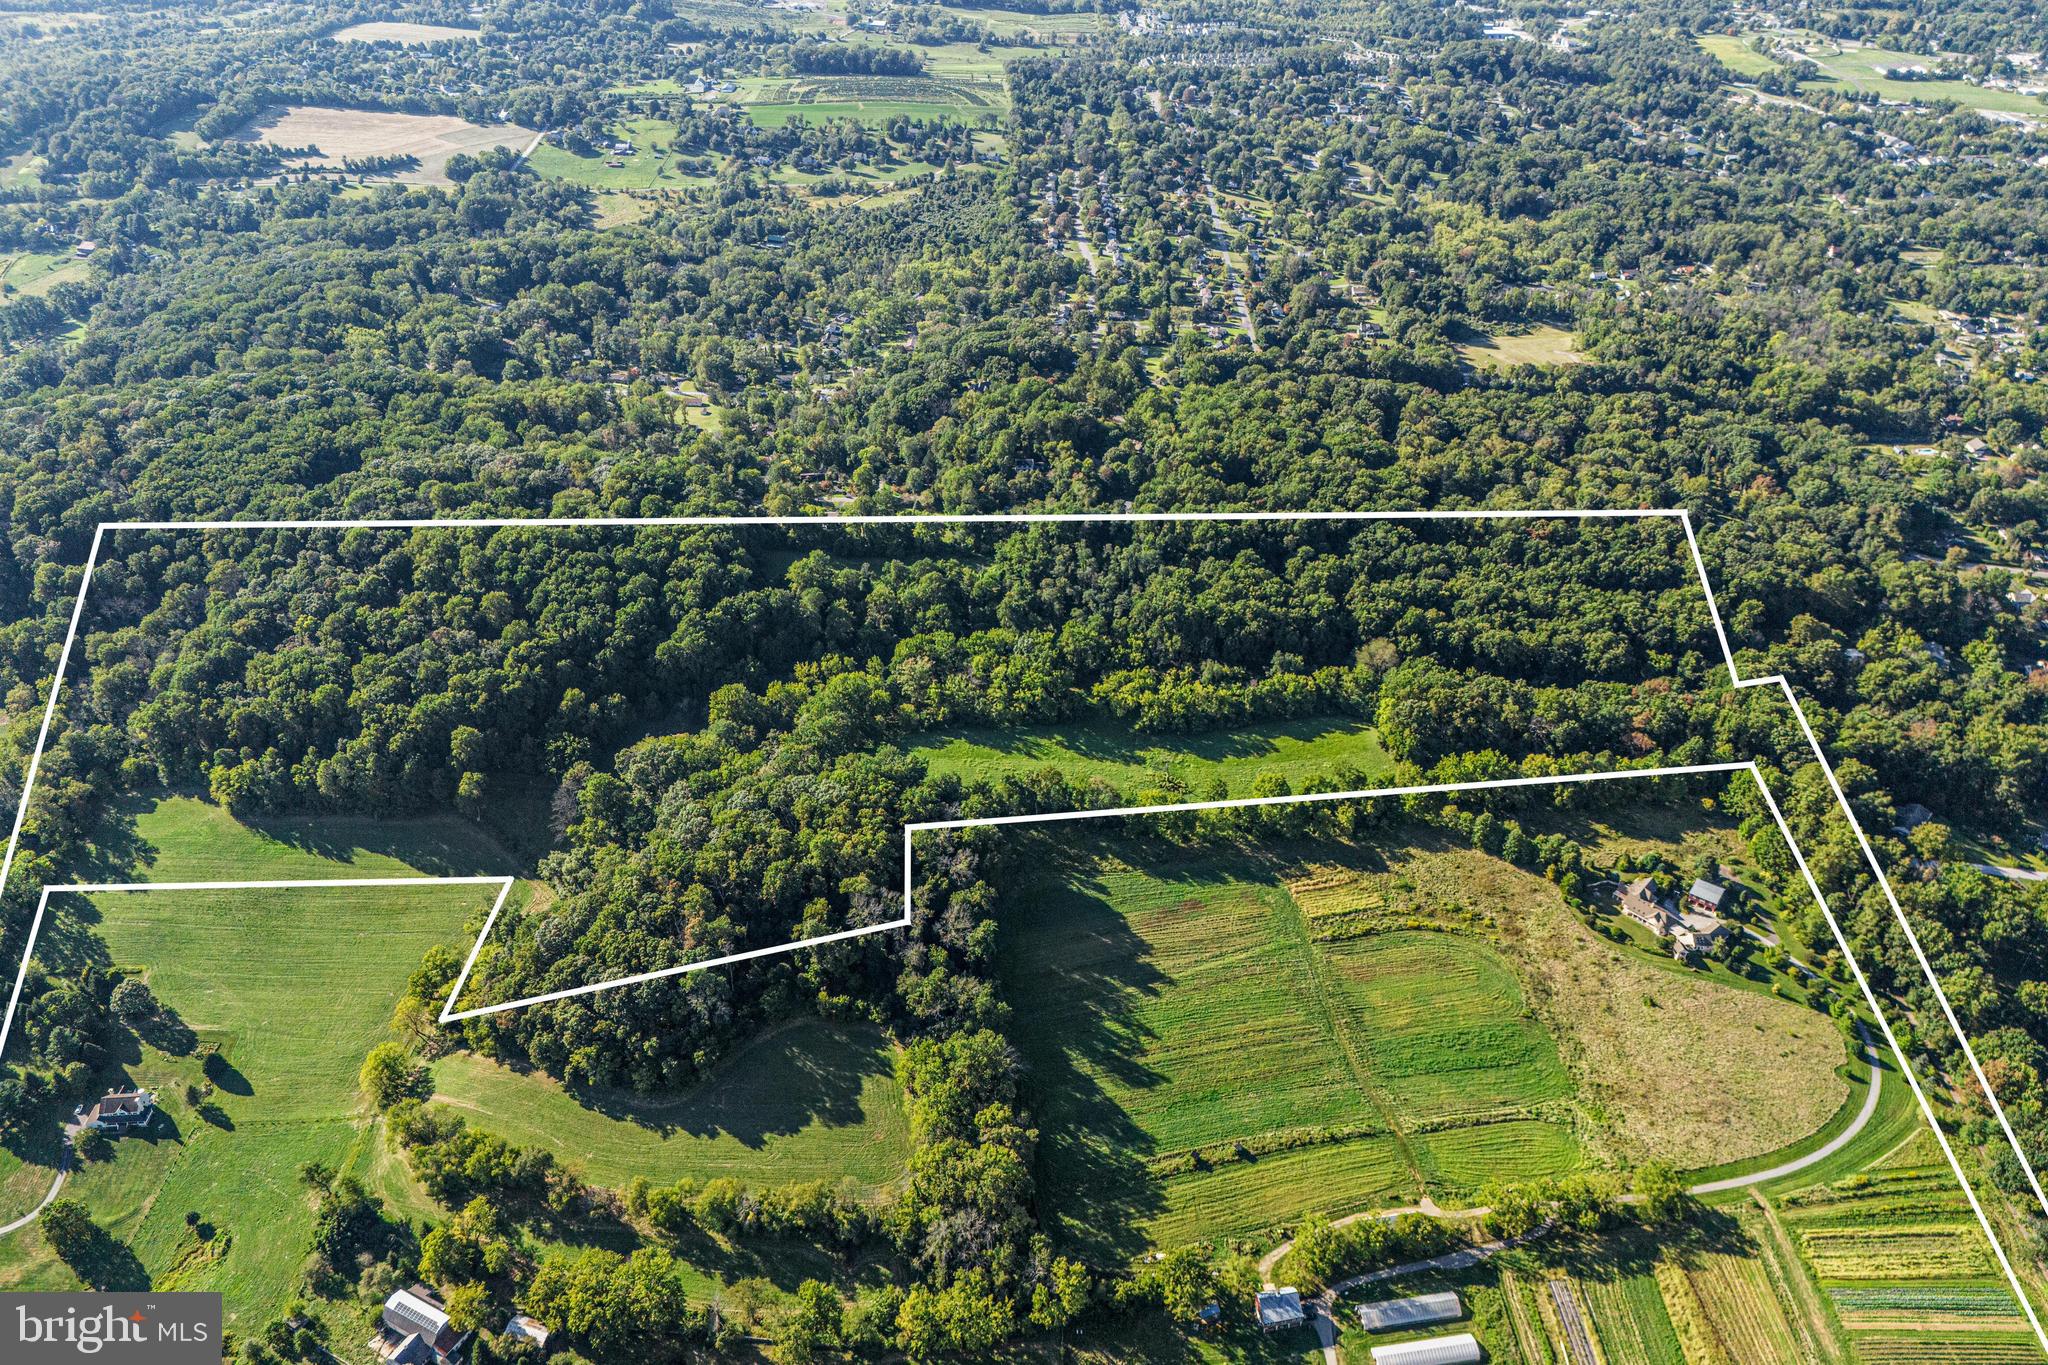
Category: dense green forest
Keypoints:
(1245, 257)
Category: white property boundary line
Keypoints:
(1682, 515)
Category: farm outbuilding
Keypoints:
(1402, 1314)
(1279, 1308)
(1462, 1349)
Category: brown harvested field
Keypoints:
(341, 134)
(411, 35)
(1684, 1068)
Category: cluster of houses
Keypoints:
(1693, 924)
(414, 1330)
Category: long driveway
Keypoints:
(63, 1170)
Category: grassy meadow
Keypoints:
(283, 993)
(1734, 52)
(1298, 750)
(1534, 345)
(184, 839)
(654, 166)
(1861, 69)
(286, 991)
(34, 273)
(1858, 68)
(1221, 1039)
(808, 1101)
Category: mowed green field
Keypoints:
(808, 1101)
(285, 991)
(1201, 1068)
(37, 272)
(1444, 1026)
(1297, 750)
(1735, 53)
(184, 839)
(1862, 69)
(653, 166)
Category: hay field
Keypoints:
(1538, 345)
(1201, 1067)
(1683, 1067)
(809, 1101)
(409, 35)
(339, 135)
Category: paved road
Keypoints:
(2011, 874)
(63, 1170)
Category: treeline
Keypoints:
(853, 59)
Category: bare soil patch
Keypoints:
(340, 135)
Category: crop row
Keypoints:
(1895, 1253)
(1955, 1300)
(1920, 1348)
(1887, 1211)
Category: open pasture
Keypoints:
(405, 35)
(184, 839)
(1298, 750)
(809, 1101)
(340, 135)
(253, 1082)
(1535, 345)
(34, 273)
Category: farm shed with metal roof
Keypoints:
(1400, 1314)
(1462, 1349)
